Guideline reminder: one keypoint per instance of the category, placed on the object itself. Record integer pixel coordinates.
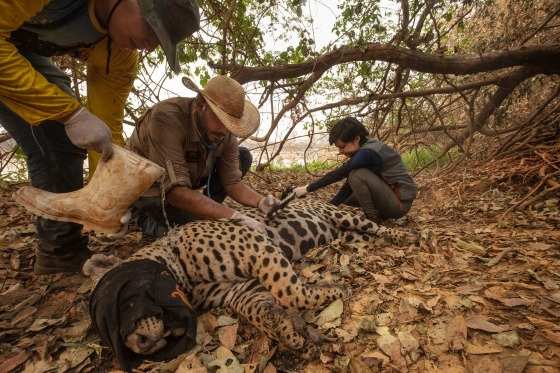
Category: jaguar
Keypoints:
(222, 263)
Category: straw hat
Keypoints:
(226, 98)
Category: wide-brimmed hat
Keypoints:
(172, 21)
(226, 98)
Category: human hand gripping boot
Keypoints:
(267, 204)
(102, 205)
(87, 131)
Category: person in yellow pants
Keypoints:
(37, 106)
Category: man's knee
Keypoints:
(245, 160)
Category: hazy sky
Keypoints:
(323, 14)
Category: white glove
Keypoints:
(248, 221)
(87, 131)
(300, 191)
(267, 203)
(125, 219)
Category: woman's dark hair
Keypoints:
(346, 130)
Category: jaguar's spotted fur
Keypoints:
(223, 263)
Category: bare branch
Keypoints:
(542, 55)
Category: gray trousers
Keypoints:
(54, 164)
(375, 196)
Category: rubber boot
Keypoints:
(104, 201)
(46, 264)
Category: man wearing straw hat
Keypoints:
(195, 140)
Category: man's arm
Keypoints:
(364, 158)
(204, 207)
(197, 203)
(243, 194)
(22, 89)
(107, 92)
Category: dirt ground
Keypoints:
(479, 293)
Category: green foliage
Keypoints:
(246, 24)
(360, 22)
(422, 156)
(314, 167)
(16, 170)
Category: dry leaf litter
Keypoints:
(480, 293)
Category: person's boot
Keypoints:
(101, 204)
(46, 264)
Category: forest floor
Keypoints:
(479, 293)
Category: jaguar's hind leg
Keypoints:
(278, 277)
(349, 221)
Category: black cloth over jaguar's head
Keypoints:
(133, 291)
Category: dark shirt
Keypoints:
(364, 158)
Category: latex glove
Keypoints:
(87, 131)
(267, 203)
(300, 191)
(125, 219)
(248, 221)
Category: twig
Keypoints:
(541, 195)
(500, 256)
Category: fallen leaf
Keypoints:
(10, 364)
(86, 286)
(375, 359)
(347, 333)
(23, 318)
(40, 323)
(409, 344)
(330, 314)
(269, 368)
(437, 334)
(384, 318)
(191, 364)
(453, 301)
(316, 367)
(480, 322)
(391, 346)
(327, 357)
(356, 365)
(369, 323)
(40, 366)
(499, 294)
(457, 333)
(408, 309)
(553, 336)
(341, 362)
(485, 363)
(228, 335)
(408, 275)
(73, 357)
(543, 324)
(475, 349)
(515, 363)
(222, 352)
(226, 320)
(507, 339)
(15, 262)
(470, 247)
(226, 365)
(310, 270)
(76, 332)
(261, 351)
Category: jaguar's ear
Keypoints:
(287, 192)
